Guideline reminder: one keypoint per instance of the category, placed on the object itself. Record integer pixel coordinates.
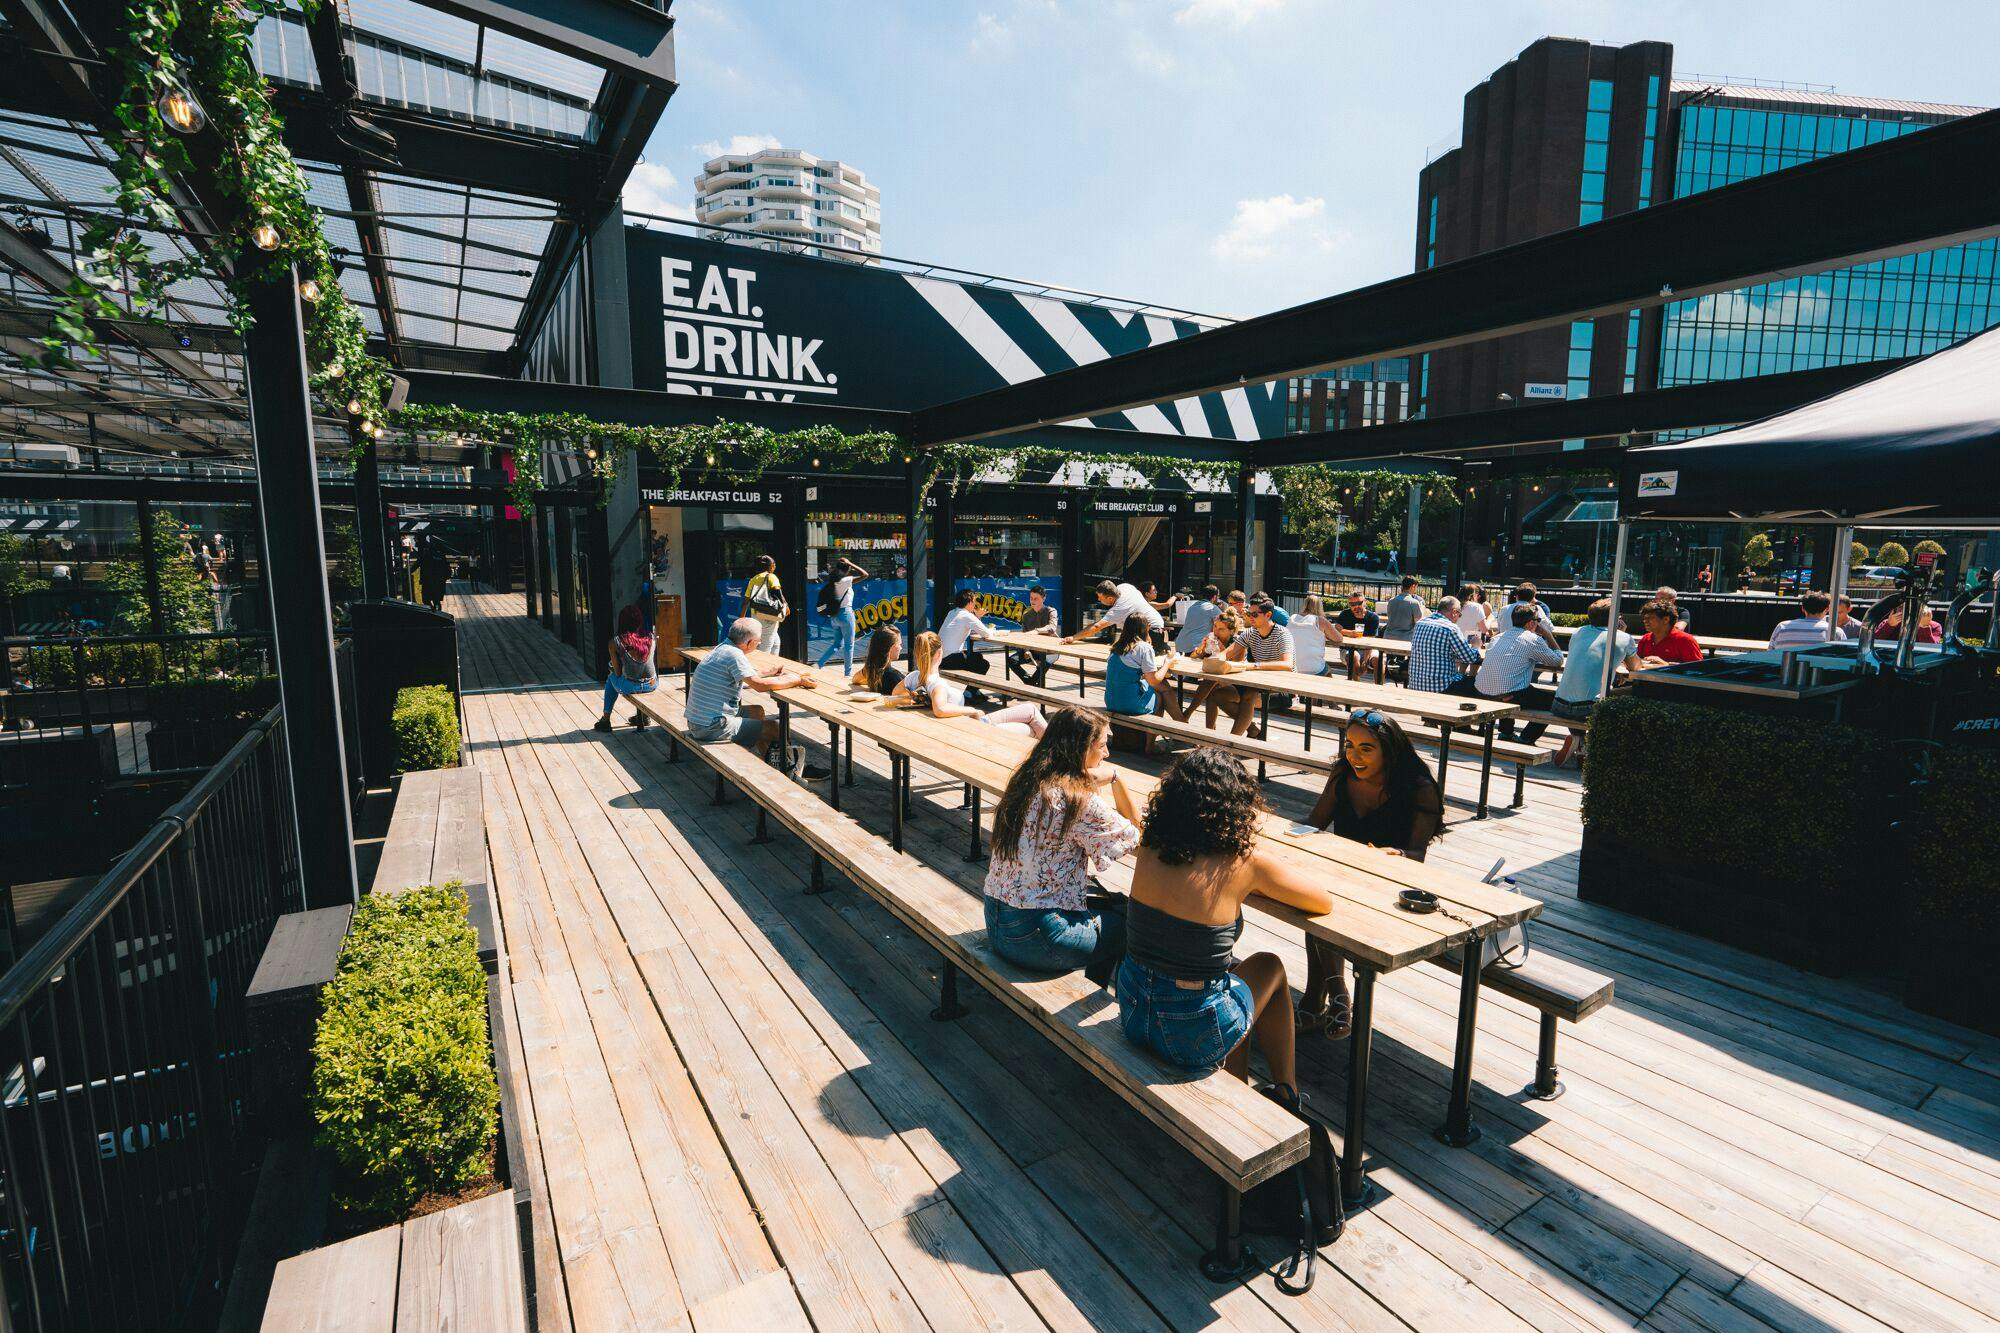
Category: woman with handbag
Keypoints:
(1064, 814)
(1380, 793)
(764, 602)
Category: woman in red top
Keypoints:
(1665, 640)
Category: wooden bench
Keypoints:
(459, 1267)
(436, 835)
(1523, 757)
(1558, 989)
(1240, 1135)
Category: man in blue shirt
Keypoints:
(1199, 619)
(1509, 670)
(1441, 661)
(714, 708)
(1582, 683)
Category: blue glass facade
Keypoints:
(1898, 307)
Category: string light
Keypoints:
(264, 236)
(591, 453)
(310, 289)
(179, 109)
(354, 407)
(367, 426)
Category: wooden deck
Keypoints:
(745, 1117)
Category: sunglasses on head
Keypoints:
(1368, 717)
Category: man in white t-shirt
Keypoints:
(1119, 600)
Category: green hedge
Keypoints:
(240, 698)
(1569, 619)
(426, 723)
(1957, 849)
(403, 1083)
(1782, 806)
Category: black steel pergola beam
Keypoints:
(337, 86)
(1896, 197)
(1684, 407)
(632, 40)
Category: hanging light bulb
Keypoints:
(333, 369)
(354, 407)
(711, 460)
(815, 460)
(367, 426)
(264, 236)
(377, 432)
(178, 107)
(310, 289)
(591, 453)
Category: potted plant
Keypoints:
(1954, 906)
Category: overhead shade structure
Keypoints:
(1919, 445)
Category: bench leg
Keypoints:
(896, 801)
(833, 761)
(721, 792)
(1230, 1260)
(1485, 768)
(964, 795)
(974, 849)
(817, 884)
(1458, 1130)
(1547, 1086)
(673, 748)
(1309, 726)
(763, 829)
(1520, 787)
(848, 742)
(1355, 1191)
(948, 1006)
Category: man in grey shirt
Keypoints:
(1404, 612)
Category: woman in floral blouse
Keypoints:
(1053, 827)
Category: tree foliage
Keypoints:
(187, 603)
(1893, 553)
(1757, 551)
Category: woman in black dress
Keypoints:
(1379, 793)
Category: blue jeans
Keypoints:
(843, 640)
(615, 685)
(1048, 939)
(1194, 1029)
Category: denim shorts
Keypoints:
(1194, 1029)
(1047, 939)
(743, 730)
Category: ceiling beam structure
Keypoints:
(335, 63)
(1893, 198)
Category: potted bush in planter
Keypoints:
(1759, 831)
(1954, 893)
(425, 721)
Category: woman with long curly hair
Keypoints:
(1181, 990)
(1052, 828)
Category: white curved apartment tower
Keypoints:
(791, 199)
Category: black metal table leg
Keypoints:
(973, 850)
(1444, 754)
(784, 730)
(1458, 1128)
(1354, 1187)
(1485, 768)
(895, 801)
(848, 741)
(1230, 1260)
(1309, 723)
(1263, 724)
(833, 761)
(1520, 786)
(948, 1006)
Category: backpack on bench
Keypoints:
(1301, 1203)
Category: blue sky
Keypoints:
(1224, 156)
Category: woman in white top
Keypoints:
(926, 687)
(1475, 618)
(1052, 828)
(1312, 635)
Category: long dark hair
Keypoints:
(1059, 760)
(882, 646)
(631, 619)
(1206, 805)
(1404, 775)
(1129, 633)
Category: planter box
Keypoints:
(1949, 973)
(1827, 936)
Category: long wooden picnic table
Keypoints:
(1447, 712)
(1367, 927)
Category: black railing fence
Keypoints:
(124, 1161)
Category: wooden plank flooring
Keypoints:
(746, 1117)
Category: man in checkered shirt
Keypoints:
(1441, 661)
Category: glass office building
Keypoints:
(1895, 308)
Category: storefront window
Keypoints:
(877, 541)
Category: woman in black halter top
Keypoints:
(1379, 793)
(1180, 990)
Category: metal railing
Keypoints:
(124, 1062)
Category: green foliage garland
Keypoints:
(205, 45)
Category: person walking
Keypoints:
(764, 602)
(839, 595)
(631, 669)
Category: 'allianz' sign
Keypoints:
(716, 338)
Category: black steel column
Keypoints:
(795, 637)
(916, 523)
(1246, 527)
(600, 588)
(288, 514)
(1070, 606)
(369, 529)
(149, 562)
(565, 540)
(944, 564)
(531, 554)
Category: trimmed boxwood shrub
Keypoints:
(1956, 860)
(426, 724)
(1783, 807)
(403, 1083)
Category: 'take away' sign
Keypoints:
(716, 336)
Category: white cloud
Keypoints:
(1264, 227)
(990, 32)
(1151, 56)
(1235, 13)
(738, 145)
(650, 189)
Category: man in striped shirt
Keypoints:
(714, 708)
(1808, 630)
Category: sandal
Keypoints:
(1340, 1015)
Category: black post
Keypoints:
(944, 566)
(155, 614)
(1246, 526)
(368, 526)
(916, 558)
(564, 535)
(600, 587)
(1458, 1128)
(1354, 1187)
(791, 555)
(1070, 608)
(531, 554)
(288, 515)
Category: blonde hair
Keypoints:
(924, 655)
(1313, 607)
